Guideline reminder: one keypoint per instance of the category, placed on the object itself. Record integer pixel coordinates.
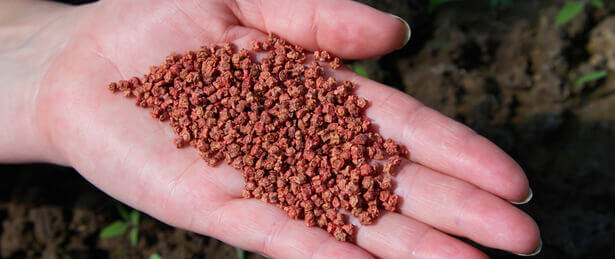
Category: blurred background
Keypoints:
(535, 77)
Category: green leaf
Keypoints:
(360, 70)
(116, 228)
(593, 76)
(134, 217)
(155, 256)
(433, 4)
(240, 253)
(568, 12)
(134, 236)
(597, 3)
(122, 210)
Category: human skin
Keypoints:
(57, 60)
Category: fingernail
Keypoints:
(527, 199)
(537, 251)
(408, 30)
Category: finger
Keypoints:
(460, 208)
(398, 236)
(439, 142)
(257, 226)
(345, 28)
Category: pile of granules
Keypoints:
(300, 140)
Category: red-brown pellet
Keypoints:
(299, 138)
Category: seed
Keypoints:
(299, 139)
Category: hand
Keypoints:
(456, 182)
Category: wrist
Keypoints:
(34, 33)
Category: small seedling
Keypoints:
(240, 253)
(572, 9)
(155, 256)
(589, 77)
(119, 227)
(360, 70)
(568, 12)
(597, 3)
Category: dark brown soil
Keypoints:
(52, 212)
(508, 73)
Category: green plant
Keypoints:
(589, 77)
(597, 3)
(155, 256)
(240, 253)
(572, 9)
(360, 70)
(119, 227)
(568, 12)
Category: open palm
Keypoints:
(456, 182)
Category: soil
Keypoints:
(506, 72)
(49, 211)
